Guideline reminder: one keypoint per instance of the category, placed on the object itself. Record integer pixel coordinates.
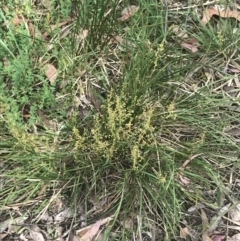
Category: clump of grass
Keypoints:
(158, 112)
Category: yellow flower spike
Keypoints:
(170, 110)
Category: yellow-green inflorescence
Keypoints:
(25, 140)
(119, 128)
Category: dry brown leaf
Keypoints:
(128, 12)
(84, 34)
(209, 12)
(51, 73)
(3, 235)
(35, 233)
(234, 70)
(190, 47)
(184, 232)
(92, 231)
(87, 231)
(185, 41)
(205, 235)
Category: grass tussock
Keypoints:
(122, 116)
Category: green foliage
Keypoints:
(127, 115)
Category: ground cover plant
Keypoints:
(119, 120)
